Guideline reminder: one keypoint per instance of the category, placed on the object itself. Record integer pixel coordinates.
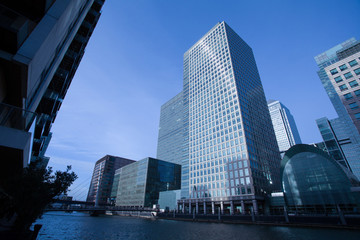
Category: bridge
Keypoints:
(83, 206)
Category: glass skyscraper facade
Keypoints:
(141, 182)
(171, 135)
(345, 78)
(229, 154)
(284, 125)
(340, 135)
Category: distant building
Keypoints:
(140, 182)
(171, 130)
(338, 71)
(42, 44)
(286, 132)
(103, 177)
(314, 183)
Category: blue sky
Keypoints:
(133, 65)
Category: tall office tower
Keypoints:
(171, 133)
(285, 128)
(345, 77)
(338, 71)
(41, 45)
(231, 158)
(103, 177)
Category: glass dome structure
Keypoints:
(313, 182)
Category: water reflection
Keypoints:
(81, 226)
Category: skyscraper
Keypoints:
(230, 157)
(344, 76)
(171, 134)
(338, 73)
(285, 128)
(42, 43)
(103, 177)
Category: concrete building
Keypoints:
(100, 190)
(230, 158)
(141, 182)
(284, 125)
(41, 45)
(338, 74)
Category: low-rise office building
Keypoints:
(100, 190)
(140, 182)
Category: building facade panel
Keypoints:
(171, 131)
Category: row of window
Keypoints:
(357, 116)
(352, 84)
(344, 67)
(349, 96)
(221, 192)
(353, 105)
(347, 75)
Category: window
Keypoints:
(348, 96)
(334, 71)
(357, 71)
(343, 67)
(353, 84)
(353, 105)
(343, 87)
(348, 75)
(357, 93)
(353, 63)
(338, 79)
(357, 116)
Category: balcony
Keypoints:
(14, 117)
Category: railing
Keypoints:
(15, 117)
(86, 207)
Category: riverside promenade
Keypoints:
(332, 221)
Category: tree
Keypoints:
(26, 194)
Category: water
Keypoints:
(75, 226)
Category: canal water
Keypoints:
(76, 226)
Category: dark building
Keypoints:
(41, 45)
(103, 177)
(313, 182)
(141, 182)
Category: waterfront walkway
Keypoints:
(334, 221)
